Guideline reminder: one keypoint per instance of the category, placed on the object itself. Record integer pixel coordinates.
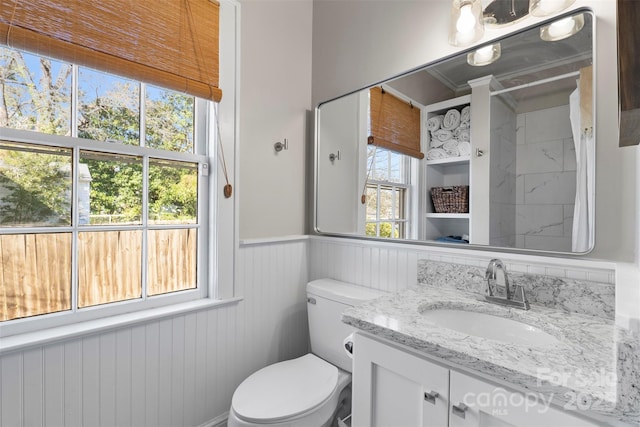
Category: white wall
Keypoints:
(180, 370)
(348, 55)
(275, 97)
(183, 369)
(339, 193)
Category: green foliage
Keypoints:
(39, 187)
(386, 230)
(116, 188)
(35, 187)
(172, 192)
(169, 122)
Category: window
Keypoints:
(102, 203)
(387, 192)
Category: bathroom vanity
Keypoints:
(439, 354)
(394, 386)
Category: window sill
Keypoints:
(47, 336)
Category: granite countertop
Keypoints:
(581, 371)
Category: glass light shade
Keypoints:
(562, 28)
(467, 24)
(548, 7)
(484, 55)
(501, 13)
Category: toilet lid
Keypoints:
(285, 389)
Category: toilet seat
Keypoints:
(285, 390)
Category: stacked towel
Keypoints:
(451, 147)
(465, 115)
(436, 153)
(450, 134)
(464, 148)
(451, 120)
(463, 135)
(434, 123)
(442, 135)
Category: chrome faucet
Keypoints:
(513, 297)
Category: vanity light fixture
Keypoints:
(467, 24)
(500, 13)
(484, 55)
(548, 7)
(562, 28)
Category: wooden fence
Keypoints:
(35, 269)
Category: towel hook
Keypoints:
(279, 146)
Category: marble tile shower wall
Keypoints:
(546, 179)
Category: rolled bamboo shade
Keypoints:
(395, 124)
(168, 43)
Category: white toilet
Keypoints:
(313, 389)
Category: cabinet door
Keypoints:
(477, 403)
(394, 388)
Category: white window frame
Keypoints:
(218, 267)
(202, 114)
(407, 184)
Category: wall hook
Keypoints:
(279, 146)
(334, 156)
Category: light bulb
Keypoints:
(466, 22)
(562, 27)
(484, 54)
(548, 7)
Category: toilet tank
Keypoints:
(326, 300)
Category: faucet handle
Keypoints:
(519, 294)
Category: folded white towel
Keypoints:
(436, 153)
(463, 135)
(435, 142)
(451, 147)
(451, 119)
(434, 123)
(442, 135)
(464, 148)
(465, 114)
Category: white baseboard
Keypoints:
(219, 421)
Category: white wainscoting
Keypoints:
(180, 370)
(392, 266)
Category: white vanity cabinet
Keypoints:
(396, 388)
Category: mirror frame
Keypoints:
(431, 243)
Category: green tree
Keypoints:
(37, 187)
(34, 98)
(37, 98)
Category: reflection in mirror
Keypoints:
(504, 149)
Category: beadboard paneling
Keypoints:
(392, 266)
(176, 371)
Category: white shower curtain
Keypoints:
(582, 238)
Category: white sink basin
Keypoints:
(491, 327)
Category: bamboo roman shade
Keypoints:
(169, 43)
(395, 124)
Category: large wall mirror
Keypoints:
(490, 148)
